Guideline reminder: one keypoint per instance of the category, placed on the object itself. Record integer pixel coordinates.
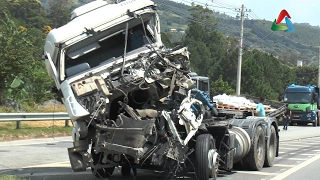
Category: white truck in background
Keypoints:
(133, 103)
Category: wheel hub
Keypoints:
(260, 150)
(213, 162)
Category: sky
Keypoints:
(301, 11)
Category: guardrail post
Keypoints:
(66, 124)
(18, 125)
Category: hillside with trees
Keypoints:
(288, 47)
(214, 53)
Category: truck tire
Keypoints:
(271, 148)
(101, 172)
(315, 123)
(125, 169)
(204, 144)
(254, 160)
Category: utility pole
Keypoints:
(319, 69)
(240, 52)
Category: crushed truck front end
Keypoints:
(133, 103)
(129, 99)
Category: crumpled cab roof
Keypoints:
(91, 20)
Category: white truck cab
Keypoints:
(93, 42)
(133, 104)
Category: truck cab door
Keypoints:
(52, 70)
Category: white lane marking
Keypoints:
(294, 159)
(57, 164)
(286, 148)
(307, 154)
(303, 142)
(296, 168)
(257, 173)
(28, 143)
(283, 165)
(297, 159)
(316, 150)
(54, 174)
(296, 145)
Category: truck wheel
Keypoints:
(204, 147)
(315, 123)
(271, 148)
(254, 160)
(125, 169)
(100, 172)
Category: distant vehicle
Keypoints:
(303, 102)
(202, 82)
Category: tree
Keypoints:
(264, 75)
(59, 12)
(305, 75)
(28, 13)
(219, 87)
(165, 37)
(200, 39)
(18, 62)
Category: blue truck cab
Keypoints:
(304, 103)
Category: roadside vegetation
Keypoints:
(10, 177)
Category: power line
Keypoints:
(184, 15)
(206, 5)
(223, 4)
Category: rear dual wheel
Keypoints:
(271, 148)
(254, 160)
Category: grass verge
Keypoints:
(10, 177)
(35, 129)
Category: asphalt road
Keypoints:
(47, 159)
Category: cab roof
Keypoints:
(90, 20)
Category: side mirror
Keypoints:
(314, 98)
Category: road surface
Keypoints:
(40, 159)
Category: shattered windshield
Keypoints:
(297, 97)
(106, 46)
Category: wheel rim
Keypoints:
(260, 149)
(213, 162)
(272, 146)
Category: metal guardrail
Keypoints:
(18, 117)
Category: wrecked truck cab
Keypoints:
(93, 43)
(124, 92)
(134, 103)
